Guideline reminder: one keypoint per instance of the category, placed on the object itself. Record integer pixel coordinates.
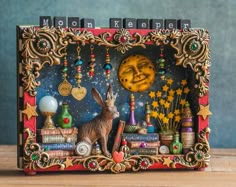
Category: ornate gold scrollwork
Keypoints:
(192, 48)
(197, 157)
(122, 40)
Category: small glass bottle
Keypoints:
(65, 119)
(176, 146)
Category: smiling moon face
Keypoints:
(136, 73)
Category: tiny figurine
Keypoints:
(100, 127)
(124, 148)
(187, 133)
(176, 146)
(48, 107)
(65, 119)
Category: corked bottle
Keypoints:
(187, 132)
(65, 119)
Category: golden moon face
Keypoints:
(136, 73)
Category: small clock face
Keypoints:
(164, 149)
(136, 73)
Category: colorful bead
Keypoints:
(107, 66)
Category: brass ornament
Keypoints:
(204, 111)
(35, 158)
(64, 88)
(79, 92)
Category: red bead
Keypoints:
(144, 163)
(107, 55)
(92, 165)
(123, 39)
(91, 73)
(66, 120)
(92, 56)
(161, 55)
(124, 142)
(108, 71)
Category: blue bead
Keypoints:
(162, 71)
(107, 66)
(78, 62)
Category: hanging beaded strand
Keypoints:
(78, 67)
(162, 71)
(107, 66)
(64, 87)
(92, 62)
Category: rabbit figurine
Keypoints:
(99, 127)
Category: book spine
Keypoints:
(150, 137)
(118, 137)
(58, 146)
(136, 144)
(144, 151)
(57, 131)
(59, 153)
(57, 139)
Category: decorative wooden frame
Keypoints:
(40, 46)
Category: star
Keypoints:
(170, 115)
(204, 111)
(158, 94)
(170, 98)
(30, 111)
(184, 82)
(167, 105)
(177, 119)
(68, 162)
(182, 102)
(162, 101)
(152, 94)
(171, 92)
(178, 91)
(170, 81)
(165, 88)
(155, 104)
(161, 116)
(167, 161)
(154, 114)
(177, 112)
(186, 90)
(165, 120)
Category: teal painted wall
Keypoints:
(218, 16)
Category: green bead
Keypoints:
(34, 156)
(199, 156)
(194, 46)
(162, 60)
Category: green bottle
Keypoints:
(176, 146)
(65, 119)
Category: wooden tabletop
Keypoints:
(221, 172)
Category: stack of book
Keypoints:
(142, 144)
(58, 142)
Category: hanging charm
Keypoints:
(162, 71)
(107, 66)
(91, 62)
(78, 92)
(65, 87)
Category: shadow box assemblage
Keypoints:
(112, 100)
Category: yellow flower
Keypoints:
(158, 94)
(152, 94)
(177, 119)
(178, 91)
(155, 104)
(162, 101)
(186, 90)
(154, 114)
(170, 98)
(177, 112)
(165, 88)
(182, 102)
(161, 116)
(166, 104)
(165, 120)
(170, 81)
(171, 92)
(184, 82)
(170, 115)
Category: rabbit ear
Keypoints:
(109, 92)
(97, 97)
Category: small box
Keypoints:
(60, 22)
(45, 21)
(171, 24)
(143, 24)
(184, 23)
(87, 23)
(115, 23)
(73, 22)
(130, 23)
(157, 24)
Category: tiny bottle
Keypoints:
(124, 148)
(176, 146)
(65, 119)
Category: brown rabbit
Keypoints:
(100, 127)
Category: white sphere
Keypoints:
(48, 104)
